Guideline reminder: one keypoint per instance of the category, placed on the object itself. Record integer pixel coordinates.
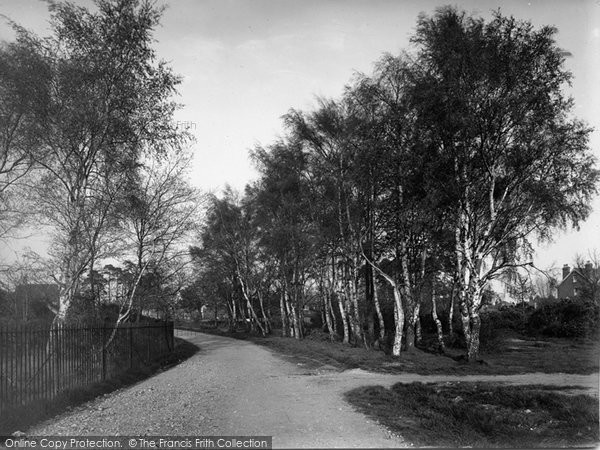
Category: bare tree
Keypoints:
(158, 219)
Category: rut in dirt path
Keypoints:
(230, 387)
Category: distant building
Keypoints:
(577, 281)
(32, 300)
(502, 287)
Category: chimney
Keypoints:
(566, 271)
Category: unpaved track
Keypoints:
(230, 387)
(234, 387)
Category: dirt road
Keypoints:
(233, 387)
(230, 387)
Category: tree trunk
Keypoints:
(216, 306)
(438, 323)
(231, 316)
(474, 304)
(418, 331)
(399, 319)
(283, 312)
(358, 319)
(334, 321)
(330, 295)
(255, 318)
(289, 314)
(267, 323)
(254, 322)
(352, 324)
(379, 313)
(296, 322)
(473, 348)
(351, 309)
(451, 311)
(409, 298)
(410, 335)
(370, 334)
(398, 309)
(346, 337)
(327, 312)
(234, 310)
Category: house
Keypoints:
(578, 281)
(32, 300)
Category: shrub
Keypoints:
(505, 317)
(566, 318)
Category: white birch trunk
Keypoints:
(379, 313)
(438, 323)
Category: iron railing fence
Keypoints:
(40, 363)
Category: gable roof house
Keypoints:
(578, 281)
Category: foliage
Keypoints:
(567, 318)
(102, 101)
(23, 83)
(481, 415)
(442, 164)
(505, 155)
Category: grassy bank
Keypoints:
(481, 415)
(24, 417)
(513, 354)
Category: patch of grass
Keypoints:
(19, 419)
(481, 414)
(515, 354)
(558, 355)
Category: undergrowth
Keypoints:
(481, 415)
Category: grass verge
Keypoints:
(19, 419)
(516, 355)
(481, 414)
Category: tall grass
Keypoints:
(482, 415)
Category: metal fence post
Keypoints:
(172, 335)
(148, 336)
(57, 354)
(130, 346)
(103, 352)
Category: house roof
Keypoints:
(578, 272)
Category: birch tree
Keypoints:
(107, 101)
(158, 219)
(327, 135)
(230, 240)
(282, 202)
(23, 90)
(506, 155)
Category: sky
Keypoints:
(245, 63)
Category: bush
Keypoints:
(511, 317)
(566, 318)
(505, 317)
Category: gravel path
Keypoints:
(230, 387)
(234, 387)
